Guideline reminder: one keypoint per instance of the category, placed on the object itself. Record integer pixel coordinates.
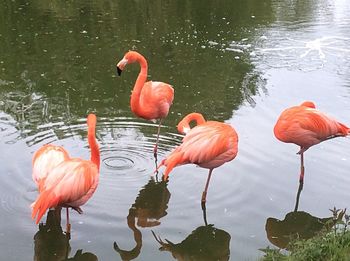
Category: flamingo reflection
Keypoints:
(149, 207)
(205, 243)
(296, 224)
(52, 244)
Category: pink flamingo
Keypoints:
(149, 100)
(209, 145)
(72, 182)
(306, 126)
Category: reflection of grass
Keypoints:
(334, 245)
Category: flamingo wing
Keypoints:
(204, 143)
(45, 159)
(71, 183)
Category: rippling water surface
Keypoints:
(241, 62)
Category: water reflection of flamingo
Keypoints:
(205, 243)
(306, 126)
(150, 205)
(149, 100)
(298, 224)
(72, 182)
(51, 243)
(209, 145)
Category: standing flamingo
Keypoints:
(149, 100)
(209, 145)
(72, 182)
(306, 126)
(44, 160)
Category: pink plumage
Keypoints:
(71, 182)
(209, 145)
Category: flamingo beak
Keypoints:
(119, 71)
(121, 65)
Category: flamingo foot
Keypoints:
(78, 209)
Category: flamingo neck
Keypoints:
(140, 81)
(94, 148)
(184, 125)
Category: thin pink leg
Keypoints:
(156, 146)
(68, 224)
(204, 195)
(302, 169)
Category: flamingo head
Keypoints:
(121, 64)
(129, 57)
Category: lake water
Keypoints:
(241, 62)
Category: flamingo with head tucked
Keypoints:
(306, 126)
(72, 182)
(209, 145)
(44, 160)
(149, 100)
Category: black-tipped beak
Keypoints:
(119, 71)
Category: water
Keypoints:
(241, 62)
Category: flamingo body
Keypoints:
(149, 100)
(306, 126)
(72, 182)
(44, 160)
(154, 101)
(209, 145)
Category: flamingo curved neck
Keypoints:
(140, 82)
(184, 124)
(94, 148)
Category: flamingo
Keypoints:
(306, 126)
(149, 100)
(44, 160)
(72, 182)
(209, 145)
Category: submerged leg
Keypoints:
(156, 146)
(298, 196)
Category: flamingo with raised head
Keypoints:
(149, 100)
(72, 182)
(209, 145)
(306, 126)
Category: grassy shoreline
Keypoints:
(328, 245)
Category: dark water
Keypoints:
(241, 62)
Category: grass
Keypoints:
(331, 245)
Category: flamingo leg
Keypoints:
(68, 224)
(156, 145)
(204, 195)
(302, 169)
